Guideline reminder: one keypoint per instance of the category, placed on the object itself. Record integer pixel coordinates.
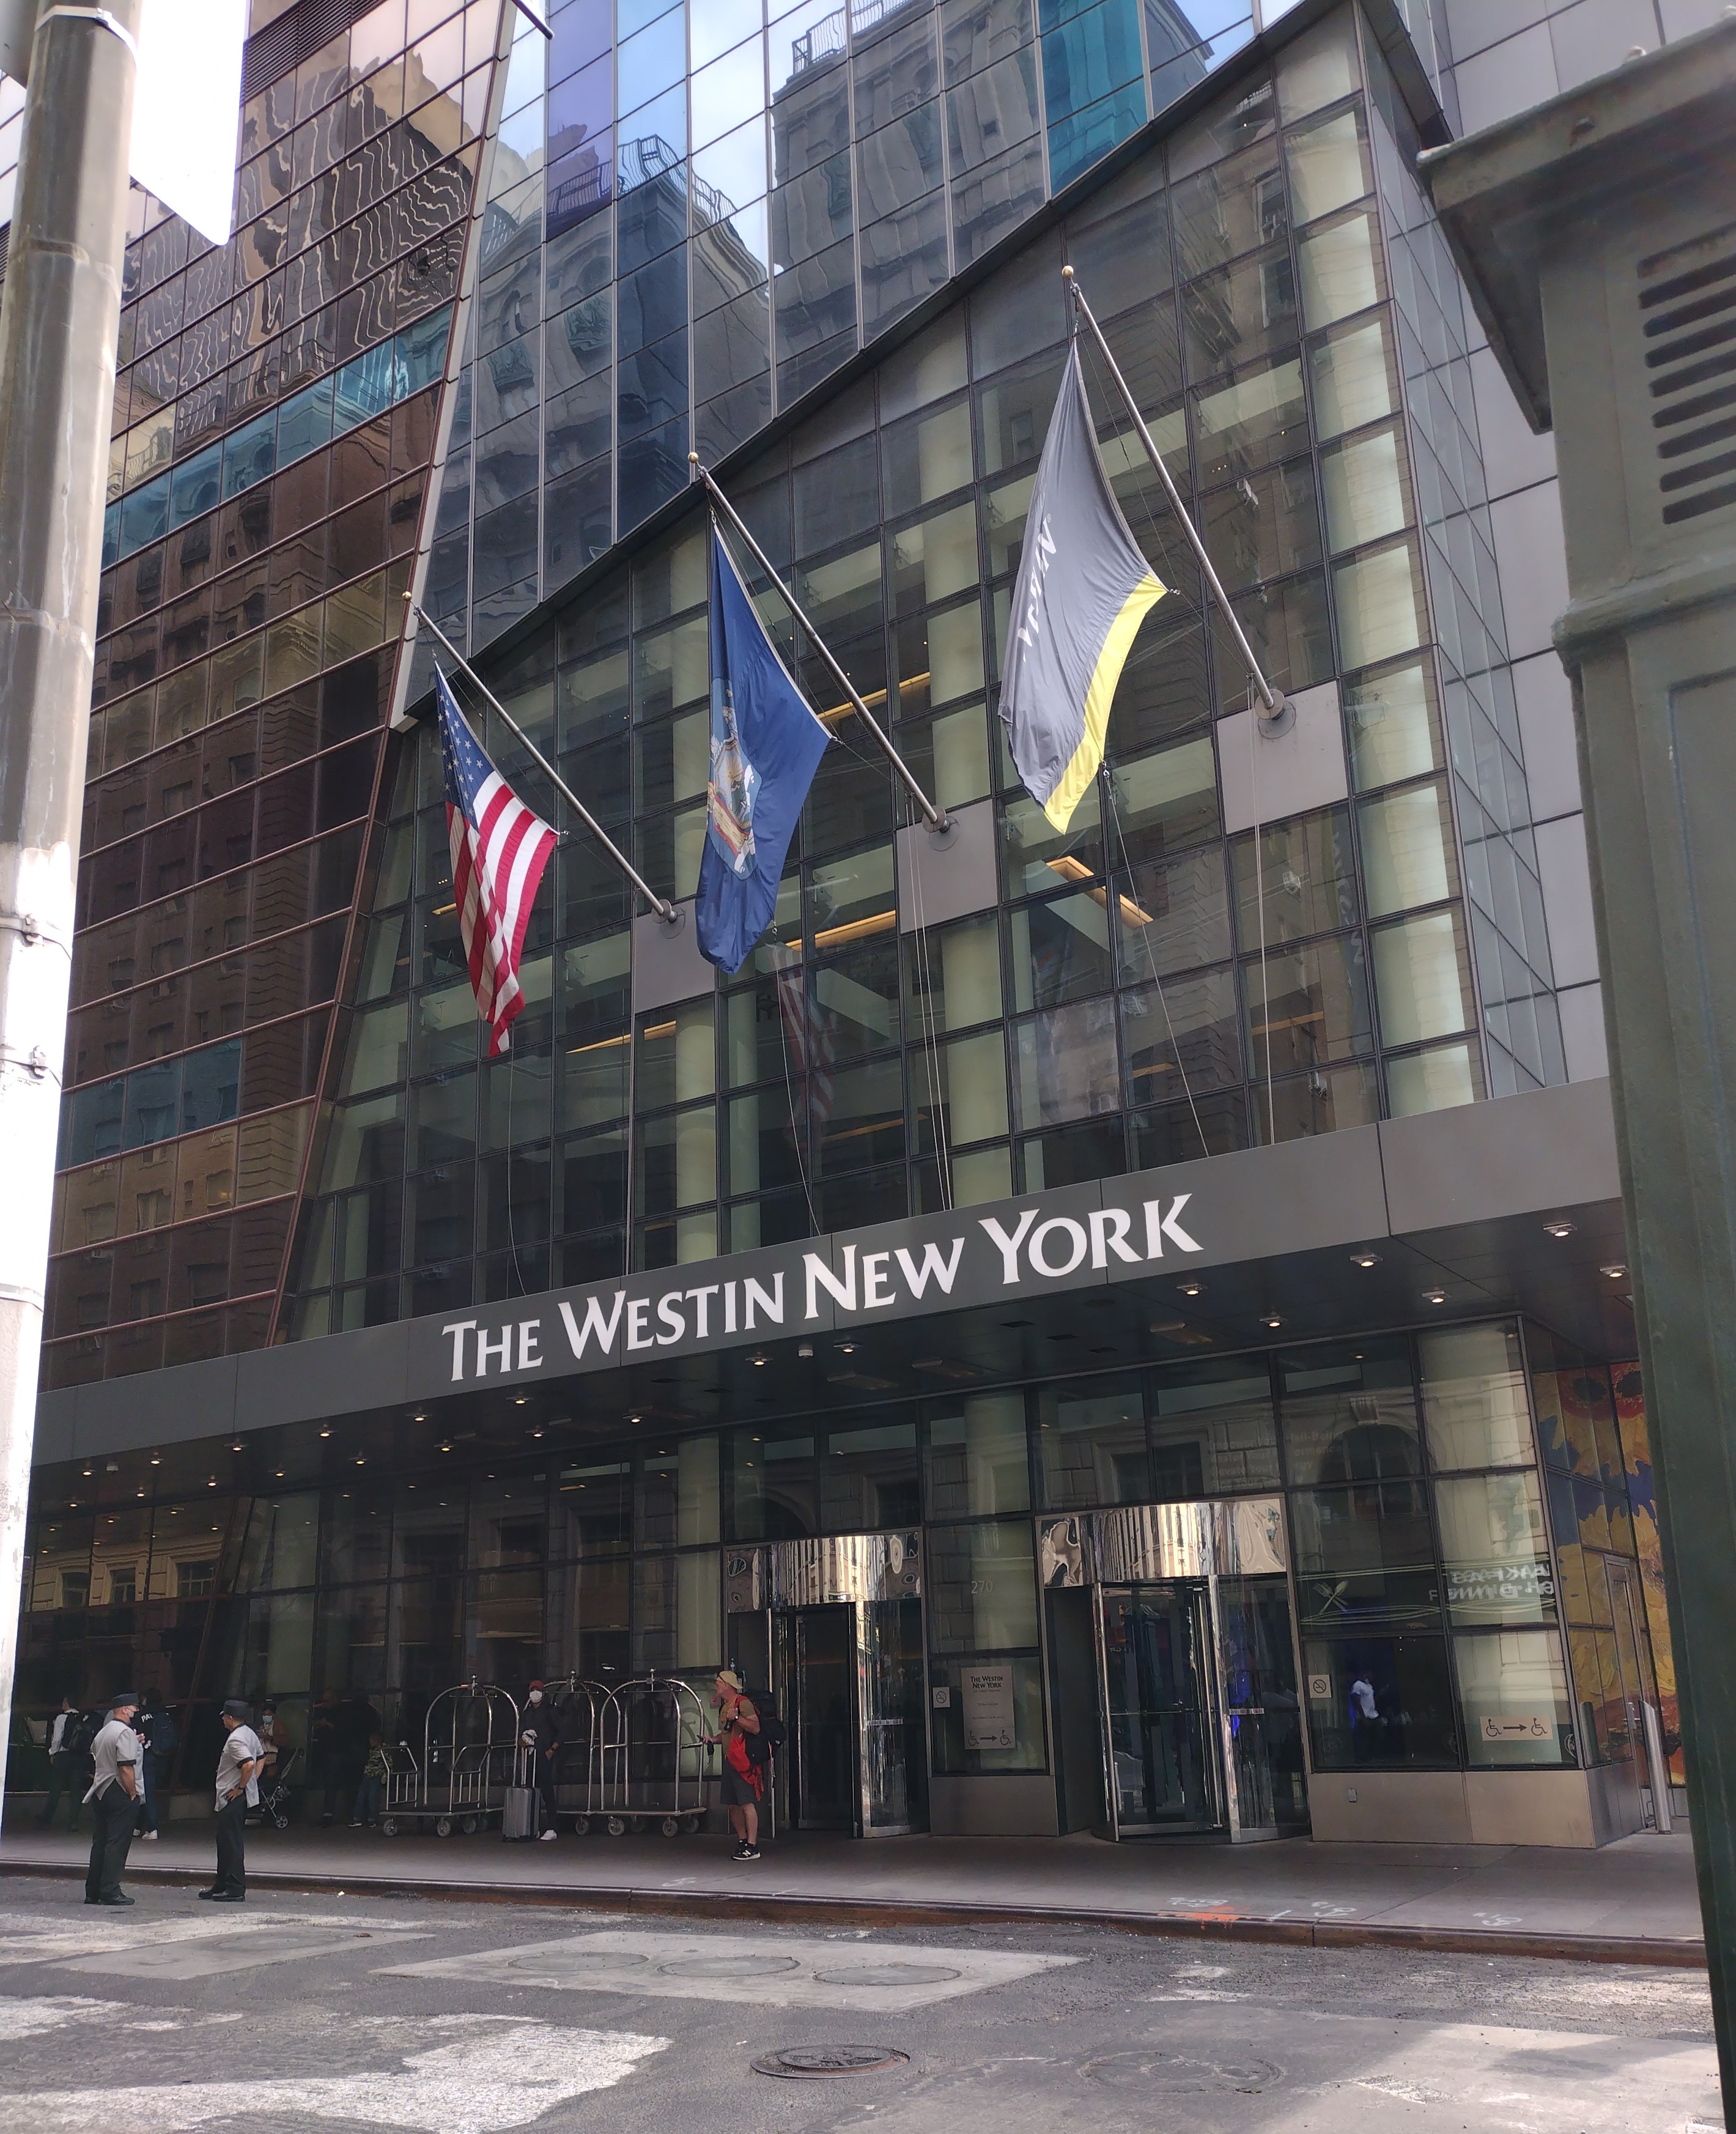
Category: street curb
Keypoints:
(787, 1910)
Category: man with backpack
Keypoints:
(748, 1734)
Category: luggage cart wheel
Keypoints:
(281, 1821)
(469, 1825)
(388, 1826)
(691, 1825)
(617, 1828)
(581, 1825)
(443, 1828)
(671, 1825)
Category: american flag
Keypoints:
(812, 1047)
(499, 849)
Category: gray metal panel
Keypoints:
(950, 873)
(1549, 1149)
(667, 964)
(158, 1408)
(57, 1415)
(1295, 1196)
(1265, 777)
(340, 1374)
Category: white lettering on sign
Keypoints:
(1074, 1250)
(755, 1298)
(595, 1323)
(457, 1330)
(942, 1273)
(841, 1289)
(1030, 1248)
(1159, 1226)
(1008, 1247)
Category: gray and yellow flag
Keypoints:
(1081, 594)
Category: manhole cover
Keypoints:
(803, 2060)
(890, 1974)
(576, 1959)
(727, 1966)
(1177, 2075)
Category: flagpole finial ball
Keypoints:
(692, 459)
(1066, 273)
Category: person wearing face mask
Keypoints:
(539, 1739)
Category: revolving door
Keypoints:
(1191, 1654)
(834, 1627)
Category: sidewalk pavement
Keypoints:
(1632, 1902)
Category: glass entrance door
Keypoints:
(894, 1759)
(1262, 1715)
(820, 1669)
(1162, 1763)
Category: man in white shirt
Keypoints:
(237, 1789)
(113, 1801)
(60, 1780)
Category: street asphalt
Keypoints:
(296, 2014)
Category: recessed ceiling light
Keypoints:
(519, 1403)
(446, 1448)
(1270, 1319)
(324, 1429)
(1615, 1271)
(846, 1348)
(758, 1362)
(1365, 1259)
(1434, 1297)
(1559, 1229)
(806, 1348)
(156, 1460)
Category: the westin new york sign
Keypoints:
(1069, 1240)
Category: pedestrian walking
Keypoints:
(237, 1789)
(538, 1737)
(156, 1729)
(113, 1800)
(61, 1774)
(371, 1794)
(744, 1760)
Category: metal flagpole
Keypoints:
(937, 818)
(1275, 701)
(660, 904)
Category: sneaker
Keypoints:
(355, 1823)
(224, 1897)
(749, 1853)
(546, 1835)
(149, 1836)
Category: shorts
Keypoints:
(739, 1792)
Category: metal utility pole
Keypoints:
(59, 320)
(1595, 236)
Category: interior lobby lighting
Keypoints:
(1434, 1297)
(1615, 1271)
(324, 1429)
(1559, 1229)
(759, 1363)
(1193, 1288)
(1270, 1319)
(1365, 1259)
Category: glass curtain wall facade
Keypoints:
(1443, 1543)
(698, 212)
(1119, 1009)
(274, 423)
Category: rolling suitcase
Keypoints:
(521, 1813)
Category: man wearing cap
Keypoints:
(237, 1789)
(112, 1800)
(538, 1737)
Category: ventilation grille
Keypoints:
(305, 29)
(1688, 308)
